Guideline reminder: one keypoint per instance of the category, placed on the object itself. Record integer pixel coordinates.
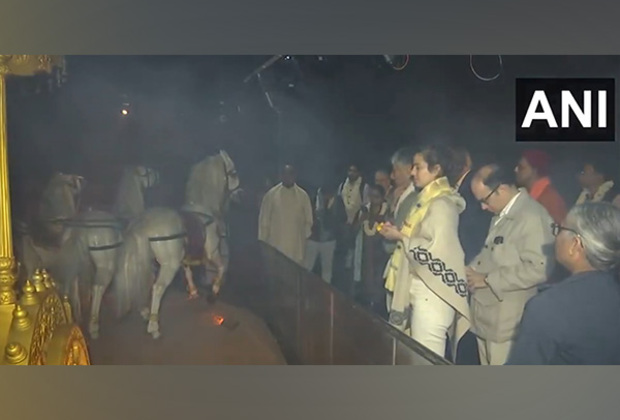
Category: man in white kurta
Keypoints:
(285, 219)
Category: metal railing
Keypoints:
(315, 324)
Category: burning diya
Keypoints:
(224, 322)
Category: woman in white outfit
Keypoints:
(427, 271)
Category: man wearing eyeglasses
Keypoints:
(575, 322)
(517, 257)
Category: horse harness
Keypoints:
(94, 224)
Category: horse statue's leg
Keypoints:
(169, 254)
(146, 292)
(222, 264)
(221, 268)
(192, 290)
(105, 263)
(214, 256)
(76, 299)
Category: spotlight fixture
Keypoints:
(125, 109)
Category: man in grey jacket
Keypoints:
(516, 258)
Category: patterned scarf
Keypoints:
(433, 190)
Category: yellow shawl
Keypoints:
(433, 190)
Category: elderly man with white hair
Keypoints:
(577, 321)
(403, 199)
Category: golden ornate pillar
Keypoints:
(37, 329)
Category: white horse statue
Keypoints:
(65, 241)
(157, 236)
(162, 237)
(93, 239)
(80, 243)
(59, 202)
(211, 185)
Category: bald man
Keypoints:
(285, 219)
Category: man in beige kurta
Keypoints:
(285, 219)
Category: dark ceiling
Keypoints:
(330, 109)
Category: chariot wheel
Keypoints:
(40, 329)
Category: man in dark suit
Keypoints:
(474, 221)
(474, 225)
(329, 216)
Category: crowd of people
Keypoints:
(488, 260)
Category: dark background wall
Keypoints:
(330, 111)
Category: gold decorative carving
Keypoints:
(41, 330)
(15, 353)
(51, 315)
(29, 65)
(7, 260)
(47, 279)
(29, 296)
(68, 347)
(21, 320)
(37, 281)
(7, 280)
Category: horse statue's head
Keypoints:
(59, 202)
(233, 184)
(134, 182)
(212, 183)
(60, 198)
